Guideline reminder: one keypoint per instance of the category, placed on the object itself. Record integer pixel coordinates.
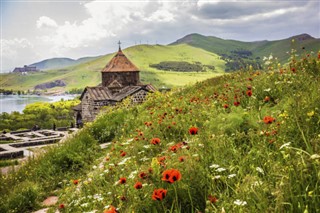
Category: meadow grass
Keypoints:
(244, 142)
(89, 73)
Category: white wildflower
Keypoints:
(201, 145)
(231, 176)
(220, 169)
(216, 177)
(267, 90)
(94, 167)
(146, 146)
(214, 166)
(144, 159)
(133, 174)
(259, 169)
(285, 145)
(315, 156)
(195, 155)
(240, 202)
(124, 161)
(84, 205)
(139, 153)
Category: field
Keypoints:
(88, 73)
(244, 142)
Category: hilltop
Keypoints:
(158, 63)
(88, 73)
(57, 63)
(279, 48)
(244, 142)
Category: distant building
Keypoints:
(120, 79)
(25, 69)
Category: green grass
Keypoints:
(88, 73)
(259, 155)
(260, 49)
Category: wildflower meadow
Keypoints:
(248, 141)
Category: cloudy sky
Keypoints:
(34, 30)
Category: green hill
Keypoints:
(57, 63)
(303, 43)
(244, 142)
(88, 73)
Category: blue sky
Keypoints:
(36, 30)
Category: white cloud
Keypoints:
(45, 21)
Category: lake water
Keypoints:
(10, 103)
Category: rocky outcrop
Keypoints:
(57, 83)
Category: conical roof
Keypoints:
(120, 63)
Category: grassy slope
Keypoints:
(236, 163)
(278, 48)
(88, 74)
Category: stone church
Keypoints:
(120, 79)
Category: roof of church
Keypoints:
(120, 63)
(98, 93)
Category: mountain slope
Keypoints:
(260, 49)
(234, 143)
(56, 63)
(88, 73)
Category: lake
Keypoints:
(10, 103)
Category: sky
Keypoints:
(34, 30)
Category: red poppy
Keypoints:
(138, 185)
(226, 106)
(75, 182)
(212, 199)
(143, 175)
(268, 119)
(123, 153)
(62, 206)
(111, 209)
(236, 103)
(175, 148)
(266, 99)
(159, 194)
(171, 175)
(249, 93)
(123, 180)
(155, 141)
(193, 130)
(123, 198)
(293, 69)
(182, 159)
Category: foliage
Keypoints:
(242, 142)
(180, 66)
(40, 113)
(21, 192)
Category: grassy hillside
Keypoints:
(57, 63)
(244, 142)
(278, 48)
(88, 73)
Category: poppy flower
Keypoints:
(159, 194)
(212, 199)
(155, 141)
(123, 198)
(62, 206)
(143, 175)
(111, 209)
(193, 130)
(266, 99)
(171, 175)
(249, 93)
(138, 185)
(236, 103)
(123, 180)
(181, 159)
(123, 153)
(268, 119)
(75, 182)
